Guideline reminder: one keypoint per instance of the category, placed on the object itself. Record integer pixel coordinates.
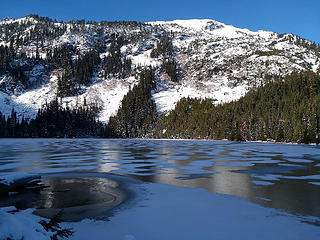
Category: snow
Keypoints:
(169, 212)
(10, 177)
(108, 94)
(22, 225)
(8, 209)
(205, 25)
(265, 34)
(286, 46)
(7, 103)
(144, 59)
(228, 32)
(167, 98)
(211, 27)
(194, 24)
(173, 213)
(200, 45)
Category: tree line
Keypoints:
(53, 120)
(285, 110)
(137, 115)
(164, 49)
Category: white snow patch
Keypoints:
(265, 34)
(22, 225)
(144, 59)
(211, 27)
(109, 95)
(194, 24)
(166, 99)
(7, 103)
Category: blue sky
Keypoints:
(293, 16)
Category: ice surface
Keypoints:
(238, 164)
(8, 178)
(173, 212)
(267, 177)
(315, 183)
(182, 213)
(264, 183)
(264, 199)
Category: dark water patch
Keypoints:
(77, 196)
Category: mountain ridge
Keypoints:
(209, 60)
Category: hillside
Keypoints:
(95, 64)
(285, 110)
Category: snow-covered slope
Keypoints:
(223, 62)
(215, 60)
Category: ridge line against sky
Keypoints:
(283, 16)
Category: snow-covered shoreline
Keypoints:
(169, 212)
(17, 225)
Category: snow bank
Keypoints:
(22, 225)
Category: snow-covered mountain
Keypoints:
(214, 60)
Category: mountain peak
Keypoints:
(195, 24)
(209, 26)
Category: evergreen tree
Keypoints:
(137, 114)
(284, 110)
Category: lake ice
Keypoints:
(183, 189)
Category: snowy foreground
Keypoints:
(21, 225)
(167, 212)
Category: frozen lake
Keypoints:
(271, 181)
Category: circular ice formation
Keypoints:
(77, 198)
